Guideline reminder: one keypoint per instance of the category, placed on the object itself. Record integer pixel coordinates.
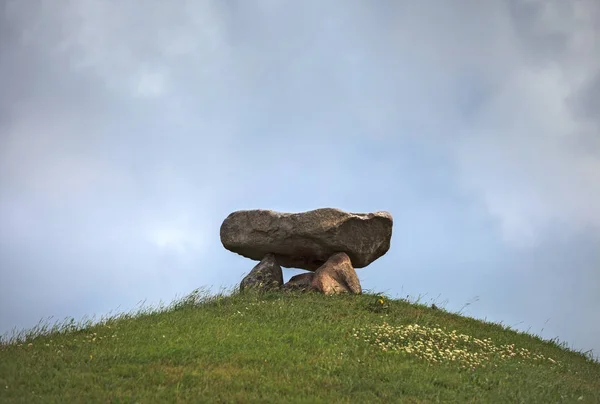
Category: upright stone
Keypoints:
(336, 276)
(307, 240)
(266, 275)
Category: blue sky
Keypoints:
(130, 130)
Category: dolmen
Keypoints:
(329, 243)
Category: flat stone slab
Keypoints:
(307, 240)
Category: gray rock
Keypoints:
(266, 275)
(307, 240)
(300, 282)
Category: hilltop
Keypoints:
(278, 347)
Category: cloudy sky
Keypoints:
(130, 129)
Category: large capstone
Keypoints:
(308, 239)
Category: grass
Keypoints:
(295, 348)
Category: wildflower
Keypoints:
(436, 345)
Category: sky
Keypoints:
(129, 131)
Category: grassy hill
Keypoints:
(291, 348)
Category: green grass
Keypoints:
(291, 348)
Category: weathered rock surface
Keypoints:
(306, 240)
(299, 282)
(336, 276)
(267, 274)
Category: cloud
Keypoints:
(527, 152)
(524, 155)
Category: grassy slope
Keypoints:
(287, 348)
